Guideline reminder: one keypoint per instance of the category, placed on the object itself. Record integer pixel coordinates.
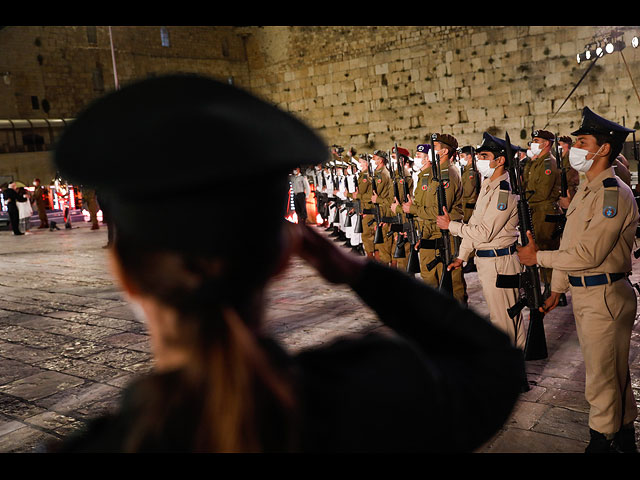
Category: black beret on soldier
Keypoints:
(447, 139)
(495, 145)
(154, 141)
(543, 134)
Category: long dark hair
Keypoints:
(238, 399)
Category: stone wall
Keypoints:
(24, 167)
(68, 66)
(361, 86)
(372, 86)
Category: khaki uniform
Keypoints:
(425, 207)
(408, 179)
(89, 196)
(494, 226)
(384, 187)
(41, 204)
(622, 172)
(470, 180)
(598, 241)
(541, 181)
(364, 194)
(573, 177)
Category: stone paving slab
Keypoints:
(69, 344)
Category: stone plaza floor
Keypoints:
(69, 344)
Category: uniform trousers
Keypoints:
(300, 204)
(500, 299)
(544, 231)
(368, 233)
(386, 248)
(604, 316)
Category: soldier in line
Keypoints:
(39, 194)
(425, 206)
(593, 262)
(89, 196)
(384, 198)
(541, 182)
(301, 190)
(471, 181)
(364, 193)
(492, 232)
(573, 177)
(402, 175)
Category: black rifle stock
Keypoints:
(444, 248)
(529, 280)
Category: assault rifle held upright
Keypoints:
(444, 255)
(377, 217)
(561, 218)
(528, 282)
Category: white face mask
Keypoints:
(535, 148)
(529, 153)
(463, 162)
(483, 167)
(578, 159)
(418, 163)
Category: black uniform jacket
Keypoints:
(443, 380)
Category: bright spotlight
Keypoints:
(634, 42)
(609, 47)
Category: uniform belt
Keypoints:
(369, 211)
(593, 280)
(496, 252)
(469, 205)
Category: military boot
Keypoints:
(599, 443)
(625, 440)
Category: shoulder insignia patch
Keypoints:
(547, 171)
(610, 203)
(609, 211)
(424, 187)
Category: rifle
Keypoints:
(395, 223)
(475, 170)
(444, 247)
(378, 237)
(528, 282)
(413, 264)
(560, 219)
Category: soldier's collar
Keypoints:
(596, 183)
(493, 184)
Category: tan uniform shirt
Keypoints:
(542, 179)
(364, 189)
(384, 186)
(593, 243)
(425, 204)
(573, 177)
(470, 180)
(489, 227)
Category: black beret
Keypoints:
(595, 124)
(543, 134)
(159, 146)
(495, 145)
(177, 131)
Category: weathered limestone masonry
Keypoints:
(371, 86)
(364, 86)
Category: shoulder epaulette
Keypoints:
(610, 202)
(503, 196)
